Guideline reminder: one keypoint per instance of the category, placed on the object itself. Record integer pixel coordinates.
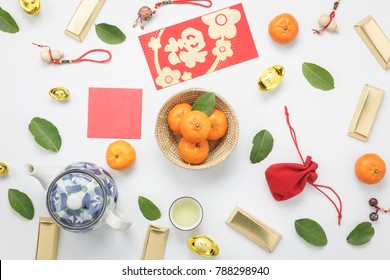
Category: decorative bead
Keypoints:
(373, 202)
(145, 13)
(55, 54)
(374, 216)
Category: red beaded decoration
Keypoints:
(331, 17)
(145, 13)
(374, 215)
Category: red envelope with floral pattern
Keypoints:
(198, 46)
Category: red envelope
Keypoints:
(198, 46)
(114, 113)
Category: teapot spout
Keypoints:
(45, 175)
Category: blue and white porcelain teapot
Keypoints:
(80, 197)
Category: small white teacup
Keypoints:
(186, 213)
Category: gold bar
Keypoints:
(365, 113)
(255, 230)
(155, 242)
(375, 39)
(83, 18)
(47, 245)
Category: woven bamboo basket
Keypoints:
(219, 150)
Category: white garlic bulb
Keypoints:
(324, 20)
(55, 54)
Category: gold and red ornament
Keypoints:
(146, 13)
(327, 22)
(374, 215)
(55, 56)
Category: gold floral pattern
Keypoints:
(222, 23)
(186, 76)
(168, 77)
(189, 46)
(223, 50)
(154, 43)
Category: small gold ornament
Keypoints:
(203, 245)
(30, 6)
(3, 169)
(271, 78)
(59, 93)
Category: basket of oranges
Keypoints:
(196, 129)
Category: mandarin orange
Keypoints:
(219, 125)
(193, 153)
(283, 28)
(175, 115)
(120, 155)
(195, 126)
(370, 168)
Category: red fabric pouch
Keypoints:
(286, 180)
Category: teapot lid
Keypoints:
(76, 200)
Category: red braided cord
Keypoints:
(202, 3)
(79, 59)
(294, 137)
(339, 211)
(207, 3)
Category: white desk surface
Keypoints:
(321, 120)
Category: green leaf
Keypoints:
(109, 34)
(311, 232)
(262, 146)
(148, 209)
(317, 76)
(7, 23)
(361, 234)
(205, 103)
(21, 203)
(45, 134)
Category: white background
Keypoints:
(321, 120)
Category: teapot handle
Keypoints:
(116, 221)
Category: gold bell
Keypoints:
(30, 6)
(271, 78)
(3, 169)
(203, 246)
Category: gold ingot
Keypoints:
(3, 169)
(271, 78)
(30, 6)
(203, 245)
(59, 93)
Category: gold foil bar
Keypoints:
(83, 18)
(365, 113)
(47, 245)
(375, 39)
(255, 230)
(155, 242)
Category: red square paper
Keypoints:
(114, 113)
(198, 46)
